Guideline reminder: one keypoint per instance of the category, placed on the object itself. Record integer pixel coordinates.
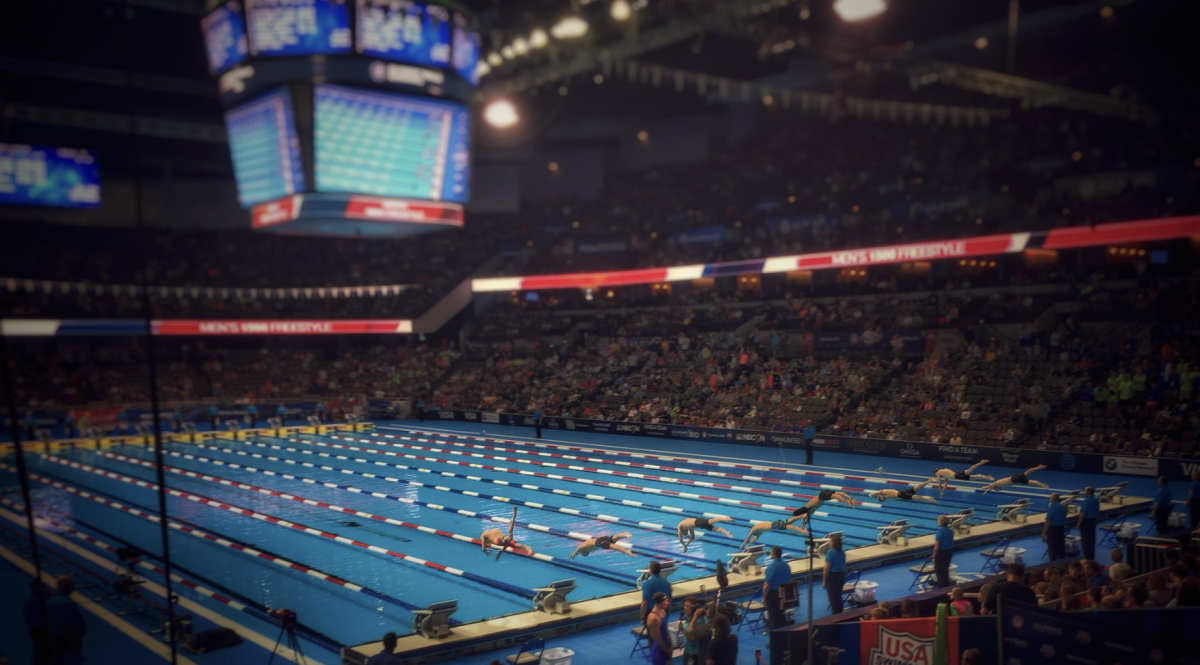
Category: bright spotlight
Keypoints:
(508, 52)
(501, 114)
(857, 10)
(482, 68)
(621, 10)
(981, 43)
(538, 38)
(495, 59)
(570, 28)
(520, 46)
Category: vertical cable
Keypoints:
(151, 365)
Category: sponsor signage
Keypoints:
(490, 418)
(901, 642)
(1131, 466)
(910, 450)
(280, 327)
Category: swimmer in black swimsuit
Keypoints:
(688, 527)
(604, 543)
(943, 476)
(759, 528)
(820, 499)
(909, 494)
(499, 539)
(1019, 479)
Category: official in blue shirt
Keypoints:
(537, 421)
(321, 411)
(1089, 511)
(177, 419)
(212, 416)
(1054, 530)
(420, 410)
(778, 574)
(943, 549)
(1162, 506)
(654, 584)
(281, 411)
(252, 411)
(1193, 498)
(69, 425)
(808, 433)
(833, 578)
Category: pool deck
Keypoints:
(508, 630)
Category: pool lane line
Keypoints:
(673, 510)
(474, 542)
(287, 524)
(665, 479)
(221, 540)
(540, 443)
(254, 609)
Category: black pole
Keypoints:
(151, 365)
(10, 397)
(812, 552)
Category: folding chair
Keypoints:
(920, 573)
(1110, 532)
(993, 557)
(758, 608)
(639, 633)
(526, 655)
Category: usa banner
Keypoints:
(904, 641)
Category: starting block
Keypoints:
(1013, 511)
(668, 567)
(893, 534)
(433, 622)
(553, 599)
(958, 521)
(1112, 494)
(745, 562)
(822, 545)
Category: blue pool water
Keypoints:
(550, 490)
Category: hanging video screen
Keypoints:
(391, 145)
(45, 176)
(225, 37)
(265, 148)
(298, 27)
(405, 31)
(466, 51)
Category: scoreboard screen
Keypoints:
(391, 145)
(404, 31)
(225, 37)
(466, 51)
(298, 27)
(52, 177)
(265, 148)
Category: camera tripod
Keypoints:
(292, 643)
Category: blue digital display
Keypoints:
(53, 177)
(298, 27)
(265, 149)
(225, 37)
(404, 31)
(391, 145)
(466, 51)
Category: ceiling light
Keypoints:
(981, 43)
(857, 10)
(508, 52)
(570, 28)
(621, 10)
(538, 38)
(495, 59)
(520, 46)
(483, 68)
(501, 114)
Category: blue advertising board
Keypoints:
(405, 31)
(391, 145)
(265, 149)
(298, 27)
(46, 176)
(225, 37)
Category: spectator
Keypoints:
(959, 605)
(723, 649)
(387, 656)
(67, 625)
(1119, 571)
(1012, 589)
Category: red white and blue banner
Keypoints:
(109, 327)
(1009, 243)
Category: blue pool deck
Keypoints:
(598, 628)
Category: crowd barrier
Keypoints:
(1175, 469)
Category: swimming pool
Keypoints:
(419, 498)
